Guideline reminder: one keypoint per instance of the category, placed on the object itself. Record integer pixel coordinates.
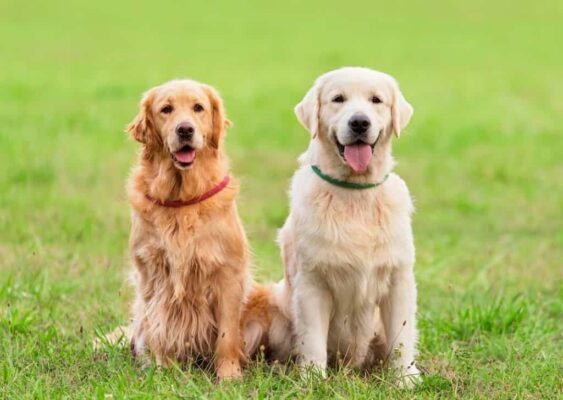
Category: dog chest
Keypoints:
(355, 240)
(340, 227)
(178, 266)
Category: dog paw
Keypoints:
(228, 370)
(409, 377)
(312, 371)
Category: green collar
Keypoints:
(346, 184)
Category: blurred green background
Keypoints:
(482, 158)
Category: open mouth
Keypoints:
(357, 155)
(185, 156)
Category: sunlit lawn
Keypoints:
(482, 158)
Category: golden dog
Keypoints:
(187, 244)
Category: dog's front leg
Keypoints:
(398, 312)
(312, 307)
(228, 350)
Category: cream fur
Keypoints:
(348, 254)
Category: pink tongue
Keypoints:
(358, 156)
(185, 156)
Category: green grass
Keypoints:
(482, 158)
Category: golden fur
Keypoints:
(191, 270)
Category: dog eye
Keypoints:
(376, 100)
(338, 99)
(167, 109)
(198, 107)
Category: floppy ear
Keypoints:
(401, 111)
(307, 111)
(219, 119)
(142, 128)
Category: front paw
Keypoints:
(312, 370)
(408, 377)
(228, 369)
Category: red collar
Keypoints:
(195, 200)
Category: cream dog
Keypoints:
(347, 244)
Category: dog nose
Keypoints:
(185, 130)
(359, 123)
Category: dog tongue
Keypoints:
(358, 156)
(186, 156)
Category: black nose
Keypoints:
(185, 130)
(359, 123)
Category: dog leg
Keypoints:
(312, 307)
(398, 312)
(362, 332)
(228, 350)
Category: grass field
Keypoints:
(482, 158)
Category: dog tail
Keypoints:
(257, 318)
(264, 324)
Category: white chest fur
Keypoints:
(349, 241)
(351, 229)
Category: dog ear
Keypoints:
(307, 111)
(219, 119)
(142, 128)
(401, 111)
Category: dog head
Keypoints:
(180, 119)
(351, 110)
